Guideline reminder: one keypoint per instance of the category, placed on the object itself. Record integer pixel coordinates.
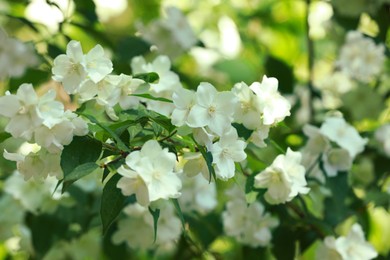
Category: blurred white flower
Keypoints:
(172, 35)
(345, 135)
(259, 135)
(137, 230)
(109, 9)
(359, 64)
(319, 15)
(196, 164)
(284, 178)
(382, 134)
(212, 109)
(15, 56)
(53, 13)
(152, 168)
(35, 196)
(248, 224)
(353, 246)
(226, 151)
(335, 160)
(198, 194)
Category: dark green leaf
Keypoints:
(209, 161)
(179, 212)
(155, 214)
(150, 77)
(119, 142)
(80, 151)
(4, 136)
(87, 9)
(79, 172)
(242, 131)
(31, 75)
(277, 68)
(112, 202)
(164, 122)
(131, 46)
(148, 96)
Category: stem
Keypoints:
(310, 56)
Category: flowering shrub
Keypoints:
(175, 144)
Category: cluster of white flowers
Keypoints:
(149, 174)
(347, 144)
(198, 194)
(137, 229)
(41, 120)
(353, 246)
(15, 56)
(172, 35)
(248, 224)
(167, 84)
(284, 178)
(358, 64)
(211, 113)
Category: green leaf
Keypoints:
(31, 75)
(209, 161)
(164, 122)
(242, 131)
(4, 136)
(277, 68)
(179, 212)
(336, 206)
(79, 172)
(87, 9)
(119, 142)
(112, 202)
(81, 150)
(155, 214)
(150, 77)
(148, 96)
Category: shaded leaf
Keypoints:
(277, 68)
(81, 150)
(179, 212)
(156, 215)
(150, 77)
(4, 136)
(79, 172)
(112, 202)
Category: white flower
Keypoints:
(198, 194)
(285, 178)
(248, 224)
(184, 100)
(382, 134)
(137, 230)
(167, 84)
(37, 165)
(213, 109)
(226, 151)
(335, 160)
(274, 107)
(345, 135)
(75, 67)
(259, 135)
(68, 68)
(172, 35)
(27, 111)
(353, 246)
(362, 65)
(155, 167)
(35, 196)
(196, 164)
(248, 109)
(15, 56)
